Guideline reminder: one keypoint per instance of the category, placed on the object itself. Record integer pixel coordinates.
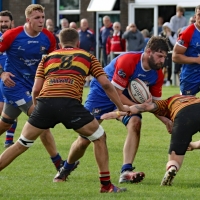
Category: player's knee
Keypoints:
(5, 124)
(97, 134)
(7, 120)
(25, 142)
(134, 124)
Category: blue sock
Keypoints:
(68, 166)
(56, 161)
(127, 167)
(10, 133)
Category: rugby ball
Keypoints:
(138, 91)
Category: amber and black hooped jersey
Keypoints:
(171, 106)
(65, 70)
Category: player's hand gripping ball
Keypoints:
(138, 91)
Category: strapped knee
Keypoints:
(97, 134)
(7, 121)
(25, 142)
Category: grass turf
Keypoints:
(30, 176)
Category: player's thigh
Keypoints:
(10, 111)
(31, 132)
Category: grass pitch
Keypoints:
(30, 176)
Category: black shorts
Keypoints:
(50, 111)
(186, 124)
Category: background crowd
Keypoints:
(113, 40)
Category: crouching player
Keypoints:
(58, 87)
(184, 112)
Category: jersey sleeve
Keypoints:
(52, 40)
(40, 69)
(156, 89)
(96, 69)
(8, 37)
(124, 68)
(186, 36)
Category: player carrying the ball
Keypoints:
(183, 110)
(146, 66)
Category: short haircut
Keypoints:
(33, 7)
(197, 8)
(64, 19)
(157, 44)
(68, 36)
(7, 13)
(181, 9)
(145, 32)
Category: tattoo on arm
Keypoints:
(142, 108)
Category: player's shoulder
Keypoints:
(188, 30)
(131, 56)
(15, 30)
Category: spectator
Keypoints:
(160, 24)
(49, 22)
(105, 31)
(73, 25)
(171, 39)
(146, 35)
(86, 37)
(51, 29)
(178, 21)
(192, 20)
(115, 42)
(87, 41)
(135, 39)
(64, 23)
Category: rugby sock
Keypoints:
(127, 167)
(10, 133)
(57, 161)
(68, 166)
(104, 178)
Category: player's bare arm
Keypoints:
(179, 57)
(123, 98)
(135, 109)
(37, 88)
(111, 92)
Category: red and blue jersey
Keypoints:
(190, 39)
(126, 67)
(3, 56)
(24, 53)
